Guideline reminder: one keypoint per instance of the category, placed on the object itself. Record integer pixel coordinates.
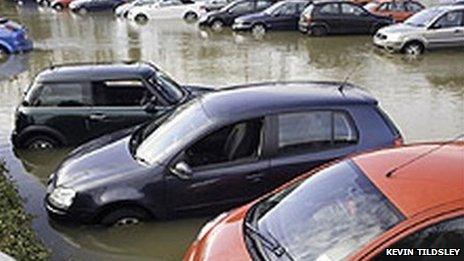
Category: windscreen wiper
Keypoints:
(273, 245)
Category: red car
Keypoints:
(399, 10)
(374, 206)
(60, 4)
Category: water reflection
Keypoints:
(425, 97)
(13, 65)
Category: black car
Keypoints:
(283, 15)
(340, 17)
(216, 152)
(69, 104)
(225, 16)
(84, 6)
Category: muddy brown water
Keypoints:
(424, 96)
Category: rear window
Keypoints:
(391, 126)
(332, 8)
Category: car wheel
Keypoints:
(58, 7)
(413, 48)
(82, 11)
(141, 18)
(375, 28)
(318, 31)
(124, 217)
(43, 3)
(190, 17)
(4, 53)
(258, 30)
(217, 25)
(40, 142)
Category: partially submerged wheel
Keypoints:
(40, 142)
(258, 30)
(217, 25)
(141, 18)
(413, 48)
(4, 53)
(124, 217)
(82, 11)
(318, 31)
(190, 17)
(58, 7)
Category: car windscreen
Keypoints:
(423, 18)
(329, 216)
(167, 86)
(185, 122)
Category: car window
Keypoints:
(170, 3)
(330, 216)
(330, 9)
(301, 7)
(413, 7)
(384, 7)
(262, 4)
(313, 131)
(242, 7)
(63, 95)
(450, 19)
(349, 9)
(286, 9)
(120, 93)
(448, 234)
(232, 143)
(397, 6)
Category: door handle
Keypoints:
(255, 177)
(97, 117)
(458, 31)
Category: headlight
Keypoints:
(208, 226)
(62, 198)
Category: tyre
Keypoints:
(217, 25)
(58, 7)
(141, 18)
(190, 17)
(40, 142)
(82, 11)
(413, 48)
(4, 53)
(318, 31)
(258, 30)
(124, 216)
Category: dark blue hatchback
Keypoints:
(217, 151)
(13, 38)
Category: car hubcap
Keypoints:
(259, 30)
(40, 145)
(83, 11)
(217, 26)
(126, 221)
(58, 7)
(190, 17)
(413, 50)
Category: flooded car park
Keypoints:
(424, 96)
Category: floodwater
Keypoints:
(424, 96)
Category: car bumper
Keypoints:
(390, 46)
(241, 27)
(68, 216)
(303, 27)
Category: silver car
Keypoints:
(437, 27)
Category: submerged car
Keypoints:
(84, 6)
(398, 10)
(226, 16)
(68, 105)
(123, 10)
(436, 27)
(282, 15)
(361, 208)
(13, 38)
(167, 9)
(340, 17)
(200, 158)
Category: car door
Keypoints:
(286, 17)
(65, 108)
(304, 140)
(241, 8)
(217, 180)
(119, 104)
(329, 14)
(358, 20)
(446, 31)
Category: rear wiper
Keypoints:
(273, 245)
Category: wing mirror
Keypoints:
(151, 105)
(182, 170)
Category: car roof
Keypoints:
(434, 179)
(257, 100)
(95, 71)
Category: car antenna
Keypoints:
(420, 156)
(342, 86)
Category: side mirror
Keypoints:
(182, 170)
(151, 105)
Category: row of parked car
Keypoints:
(155, 149)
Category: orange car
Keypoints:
(375, 206)
(399, 10)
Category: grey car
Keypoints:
(437, 27)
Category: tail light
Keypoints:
(398, 142)
(309, 19)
